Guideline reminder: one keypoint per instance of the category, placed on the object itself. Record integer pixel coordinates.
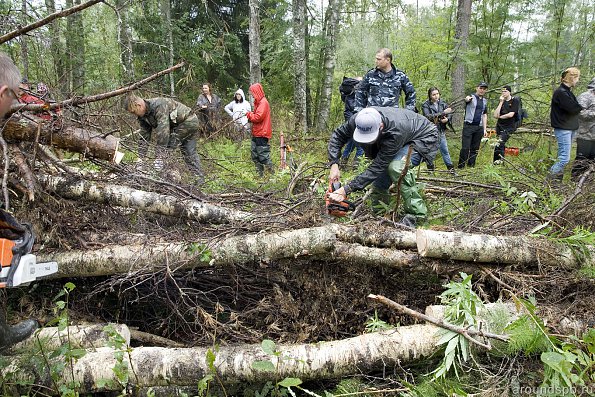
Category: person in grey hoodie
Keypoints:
(237, 109)
(585, 135)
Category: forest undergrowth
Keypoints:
(300, 301)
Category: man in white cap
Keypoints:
(386, 134)
(10, 228)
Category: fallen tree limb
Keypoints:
(519, 250)
(466, 333)
(320, 242)
(77, 140)
(79, 336)
(155, 366)
(577, 191)
(377, 237)
(253, 248)
(93, 98)
(181, 367)
(124, 196)
(46, 20)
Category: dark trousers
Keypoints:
(503, 134)
(261, 154)
(585, 156)
(471, 139)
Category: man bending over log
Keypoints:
(10, 228)
(173, 124)
(386, 135)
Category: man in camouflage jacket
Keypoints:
(382, 85)
(172, 124)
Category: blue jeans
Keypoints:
(351, 144)
(564, 138)
(383, 181)
(444, 151)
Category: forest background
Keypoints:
(306, 47)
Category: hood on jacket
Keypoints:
(591, 85)
(241, 92)
(257, 91)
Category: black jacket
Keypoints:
(565, 109)
(401, 127)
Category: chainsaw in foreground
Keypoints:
(19, 266)
(337, 209)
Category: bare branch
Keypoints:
(46, 20)
(466, 333)
(94, 98)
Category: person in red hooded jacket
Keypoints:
(261, 130)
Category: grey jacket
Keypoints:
(401, 127)
(586, 118)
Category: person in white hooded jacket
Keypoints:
(238, 108)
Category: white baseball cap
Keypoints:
(367, 125)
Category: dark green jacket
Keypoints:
(164, 117)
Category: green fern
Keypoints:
(525, 337)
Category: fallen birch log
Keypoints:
(79, 336)
(181, 367)
(76, 140)
(317, 242)
(516, 250)
(377, 237)
(156, 366)
(124, 196)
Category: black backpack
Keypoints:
(347, 87)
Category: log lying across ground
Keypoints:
(156, 366)
(519, 250)
(317, 242)
(322, 242)
(79, 336)
(76, 140)
(123, 196)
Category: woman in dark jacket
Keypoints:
(564, 119)
(440, 114)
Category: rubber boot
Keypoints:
(11, 335)
(413, 203)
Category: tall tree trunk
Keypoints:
(300, 64)
(23, 40)
(125, 42)
(559, 10)
(57, 51)
(460, 47)
(254, 38)
(166, 12)
(75, 43)
(326, 92)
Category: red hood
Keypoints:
(257, 91)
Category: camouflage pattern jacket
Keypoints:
(165, 117)
(586, 118)
(384, 89)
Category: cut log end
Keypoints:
(422, 242)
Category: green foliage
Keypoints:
(462, 308)
(566, 364)
(375, 324)
(284, 386)
(527, 333)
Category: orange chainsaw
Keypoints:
(337, 209)
(18, 265)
